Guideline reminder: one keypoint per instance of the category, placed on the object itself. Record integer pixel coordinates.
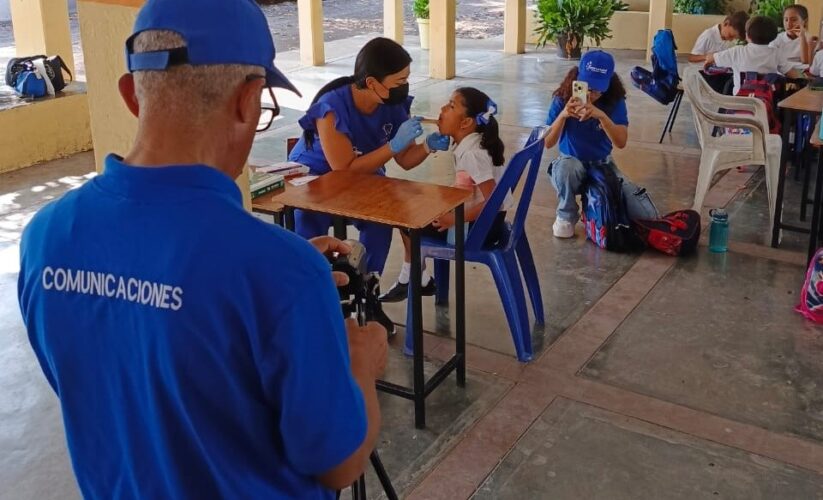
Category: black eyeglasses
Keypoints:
(267, 113)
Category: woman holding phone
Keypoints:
(588, 117)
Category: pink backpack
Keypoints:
(811, 296)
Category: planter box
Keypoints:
(630, 30)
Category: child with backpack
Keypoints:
(795, 43)
(757, 56)
(720, 36)
(468, 119)
(586, 133)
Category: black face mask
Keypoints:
(397, 95)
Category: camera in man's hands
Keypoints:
(360, 295)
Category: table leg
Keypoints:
(788, 116)
(288, 218)
(416, 308)
(339, 225)
(807, 175)
(815, 229)
(460, 294)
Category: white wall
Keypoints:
(5, 13)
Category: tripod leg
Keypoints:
(382, 476)
(361, 487)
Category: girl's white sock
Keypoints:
(404, 273)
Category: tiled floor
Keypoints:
(654, 377)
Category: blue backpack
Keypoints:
(661, 82)
(605, 215)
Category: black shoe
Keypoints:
(399, 291)
(381, 317)
(429, 289)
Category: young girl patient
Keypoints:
(468, 118)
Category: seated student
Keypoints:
(586, 134)
(757, 55)
(795, 42)
(468, 118)
(720, 36)
(816, 68)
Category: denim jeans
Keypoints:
(568, 175)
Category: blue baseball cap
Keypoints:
(596, 68)
(215, 31)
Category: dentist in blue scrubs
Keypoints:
(358, 123)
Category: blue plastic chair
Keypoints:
(503, 258)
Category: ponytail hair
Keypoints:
(477, 105)
(308, 134)
(379, 58)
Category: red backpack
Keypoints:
(676, 233)
(765, 88)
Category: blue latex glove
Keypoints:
(409, 131)
(438, 142)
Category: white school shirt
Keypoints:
(817, 64)
(790, 48)
(710, 42)
(473, 166)
(752, 57)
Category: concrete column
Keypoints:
(42, 27)
(660, 17)
(104, 27)
(514, 31)
(815, 15)
(442, 16)
(310, 17)
(393, 20)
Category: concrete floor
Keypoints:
(654, 377)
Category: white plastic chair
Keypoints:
(727, 151)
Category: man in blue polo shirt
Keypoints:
(197, 352)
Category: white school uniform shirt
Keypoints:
(710, 42)
(817, 64)
(753, 57)
(473, 166)
(790, 48)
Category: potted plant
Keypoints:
(569, 22)
(772, 9)
(700, 7)
(421, 12)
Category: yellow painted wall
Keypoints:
(628, 31)
(815, 13)
(42, 27)
(687, 28)
(51, 128)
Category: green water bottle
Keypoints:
(718, 230)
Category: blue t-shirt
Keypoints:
(366, 132)
(197, 352)
(586, 140)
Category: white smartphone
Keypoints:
(580, 90)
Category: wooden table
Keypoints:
(803, 101)
(814, 230)
(397, 203)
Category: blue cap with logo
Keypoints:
(215, 31)
(596, 68)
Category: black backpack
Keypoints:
(605, 216)
(54, 67)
